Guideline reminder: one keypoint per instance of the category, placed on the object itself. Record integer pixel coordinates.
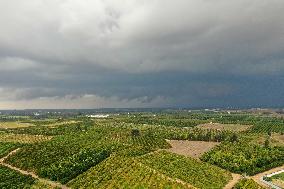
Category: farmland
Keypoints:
(278, 179)
(175, 149)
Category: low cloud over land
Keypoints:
(141, 53)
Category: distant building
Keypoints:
(98, 116)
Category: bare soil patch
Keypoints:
(193, 149)
(229, 127)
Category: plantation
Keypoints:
(22, 138)
(65, 157)
(10, 179)
(243, 157)
(121, 172)
(5, 148)
(201, 175)
(126, 151)
(247, 184)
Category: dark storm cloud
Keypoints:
(141, 53)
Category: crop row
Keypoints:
(244, 157)
(194, 172)
(121, 172)
(12, 179)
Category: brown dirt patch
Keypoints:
(229, 127)
(193, 149)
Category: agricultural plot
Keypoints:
(9, 125)
(194, 149)
(56, 124)
(196, 173)
(5, 148)
(275, 139)
(247, 184)
(146, 151)
(278, 180)
(244, 157)
(12, 179)
(121, 172)
(228, 127)
(23, 138)
(65, 157)
(266, 125)
(42, 185)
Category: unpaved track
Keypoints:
(52, 183)
(233, 182)
(258, 176)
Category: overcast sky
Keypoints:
(141, 53)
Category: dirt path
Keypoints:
(234, 181)
(257, 177)
(46, 181)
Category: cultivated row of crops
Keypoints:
(66, 156)
(23, 138)
(199, 174)
(6, 147)
(12, 179)
(122, 172)
(244, 157)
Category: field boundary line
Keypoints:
(52, 183)
(165, 176)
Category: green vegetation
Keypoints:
(247, 184)
(278, 176)
(198, 174)
(22, 138)
(124, 151)
(244, 157)
(64, 157)
(14, 124)
(11, 179)
(5, 148)
(121, 172)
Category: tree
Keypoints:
(269, 133)
(135, 132)
(234, 138)
(266, 143)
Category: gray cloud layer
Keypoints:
(105, 53)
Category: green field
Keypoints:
(126, 151)
(11, 179)
(121, 172)
(5, 148)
